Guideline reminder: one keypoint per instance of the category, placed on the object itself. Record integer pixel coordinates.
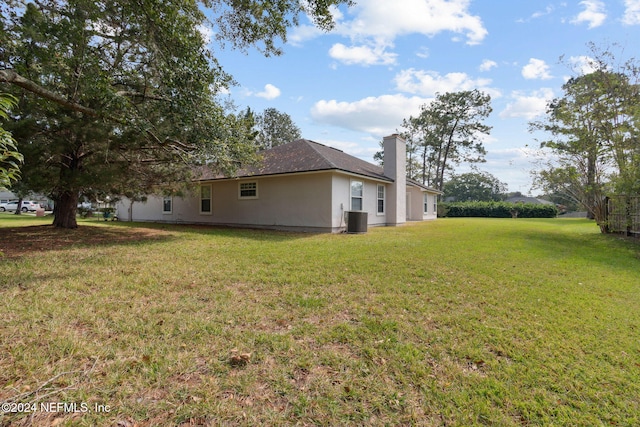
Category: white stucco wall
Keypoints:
(431, 213)
(395, 168)
(341, 199)
(302, 201)
(307, 201)
(414, 204)
(151, 210)
(415, 207)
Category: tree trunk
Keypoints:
(424, 166)
(19, 207)
(592, 196)
(447, 150)
(64, 212)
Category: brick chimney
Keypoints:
(395, 167)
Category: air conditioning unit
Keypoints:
(357, 222)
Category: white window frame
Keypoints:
(247, 183)
(381, 199)
(352, 196)
(435, 204)
(425, 203)
(210, 211)
(165, 200)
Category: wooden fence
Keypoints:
(623, 214)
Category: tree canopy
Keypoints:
(447, 132)
(474, 187)
(275, 128)
(10, 158)
(122, 96)
(594, 136)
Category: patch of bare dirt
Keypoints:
(20, 241)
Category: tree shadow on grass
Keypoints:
(260, 234)
(16, 242)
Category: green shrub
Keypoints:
(496, 210)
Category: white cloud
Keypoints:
(539, 14)
(353, 148)
(423, 53)
(547, 11)
(631, 12)
(487, 65)
(362, 55)
(373, 25)
(512, 165)
(378, 116)
(220, 90)
(583, 64)
(528, 106)
(386, 19)
(536, 69)
(304, 32)
(384, 114)
(269, 92)
(207, 34)
(593, 13)
(428, 83)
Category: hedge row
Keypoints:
(496, 210)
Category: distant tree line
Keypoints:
(474, 186)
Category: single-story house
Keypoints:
(302, 185)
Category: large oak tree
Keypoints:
(123, 96)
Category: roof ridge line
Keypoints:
(324, 145)
(320, 154)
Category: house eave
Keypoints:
(416, 184)
(273, 175)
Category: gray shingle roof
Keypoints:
(304, 155)
(421, 185)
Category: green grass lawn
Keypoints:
(455, 322)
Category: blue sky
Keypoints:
(385, 58)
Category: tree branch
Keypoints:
(10, 76)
